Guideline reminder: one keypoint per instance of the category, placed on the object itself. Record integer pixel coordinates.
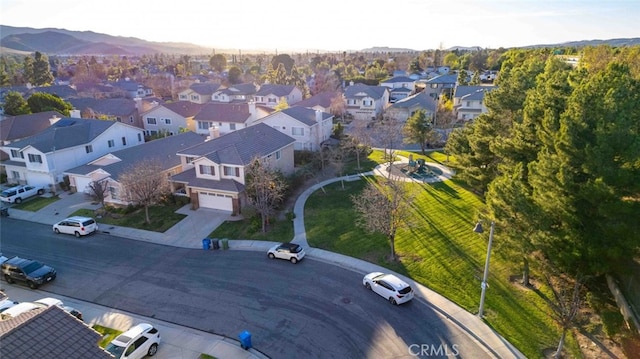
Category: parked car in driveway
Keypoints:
(289, 251)
(19, 193)
(5, 302)
(20, 308)
(137, 342)
(29, 271)
(49, 301)
(78, 226)
(388, 286)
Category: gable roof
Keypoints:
(240, 89)
(322, 99)
(462, 91)
(275, 89)
(443, 79)
(21, 126)
(105, 106)
(162, 149)
(183, 108)
(304, 115)
(49, 333)
(206, 88)
(398, 79)
(224, 112)
(421, 99)
(67, 132)
(375, 92)
(241, 146)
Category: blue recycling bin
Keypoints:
(206, 243)
(245, 340)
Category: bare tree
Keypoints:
(265, 189)
(98, 190)
(383, 208)
(360, 138)
(337, 156)
(144, 183)
(389, 132)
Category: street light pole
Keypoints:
(483, 285)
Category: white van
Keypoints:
(78, 226)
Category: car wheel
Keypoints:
(77, 234)
(392, 301)
(8, 279)
(56, 230)
(153, 349)
(17, 200)
(294, 260)
(32, 285)
(40, 191)
(272, 256)
(367, 285)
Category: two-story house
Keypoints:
(109, 167)
(214, 171)
(235, 93)
(322, 101)
(227, 117)
(468, 101)
(199, 92)
(310, 128)
(400, 87)
(405, 108)
(41, 159)
(365, 102)
(271, 95)
(114, 109)
(440, 84)
(132, 89)
(14, 128)
(171, 118)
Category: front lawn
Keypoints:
(36, 203)
(108, 334)
(162, 217)
(278, 230)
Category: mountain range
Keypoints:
(52, 41)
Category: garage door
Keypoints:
(82, 183)
(215, 201)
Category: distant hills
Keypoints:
(52, 41)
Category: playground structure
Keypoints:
(418, 169)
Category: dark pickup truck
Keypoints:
(32, 273)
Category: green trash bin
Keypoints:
(225, 243)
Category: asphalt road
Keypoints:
(311, 309)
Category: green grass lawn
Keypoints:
(279, 231)
(108, 334)
(36, 203)
(162, 218)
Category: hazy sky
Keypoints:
(336, 24)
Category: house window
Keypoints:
(139, 137)
(468, 103)
(124, 141)
(183, 97)
(190, 159)
(151, 120)
(194, 97)
(167, 121)
(111, 143)
(15, 175)
(204, 125)
(232, 126)
(207, 170)
(130, 119)
(297, 131)
(88, 148)
(17, 154)
(113, 192)
(35, 158)
(231, 171)
(271, 100)
(278, 155)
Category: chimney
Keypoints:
(138, 102)
(214, 132)
(252, 111)
(319, 117)
(75, 114)
(55, 119)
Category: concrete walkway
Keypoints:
(188, 233)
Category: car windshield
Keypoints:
(7, 193)
(32, 267)
(116, 350)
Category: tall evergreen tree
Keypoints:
(41, 70)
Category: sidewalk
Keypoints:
(186, 234)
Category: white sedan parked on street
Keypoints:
(388, 286)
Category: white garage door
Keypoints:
(82, 183)
(215, 201)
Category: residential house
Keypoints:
(171, 118)
(235, 93)
(405, 108)
(109, 167)
(49, 333)
(468, 101)
(214, 171)
(227, 117)
(199, 92)
(114, 109)
(271, 95)
(321, 101)
(13, 128)
(365, 102)
(310, 128)
(400, 82)
(41, 159)
(440, 84)
(65, 92)
(132, 89)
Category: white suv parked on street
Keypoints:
(78, 226)
(137, 342)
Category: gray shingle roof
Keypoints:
(399, 79)
(67, 132)
(466, 90)
(241, 89)
(225, 184)
(322, 99)
(105, 106)
(274, 89)
(49, 333)
(206, 88)
(163, 149)
(304, 115)
(224, 112)
(21, 126)
(443, 79)
(421, 100)
(375, 92)
(183, 108)
(241, 146)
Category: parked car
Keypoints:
(388, 286)
(49, 301)
(29, 271)
(20, 308)
(78, 226)
(5, 302)
(19, 193)
(289, 251)
(137, 342)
